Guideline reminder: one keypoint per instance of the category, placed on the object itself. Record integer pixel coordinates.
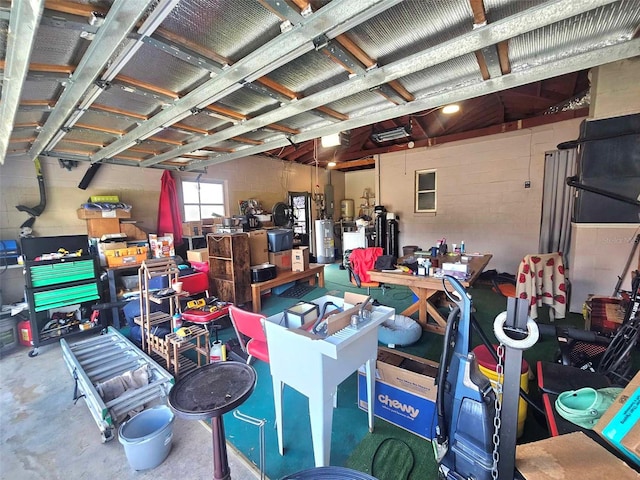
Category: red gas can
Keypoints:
(24, 333)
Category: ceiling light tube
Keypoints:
(92, 95)
(121, 60)
(75, 116)
(56, 138)
(155, 18)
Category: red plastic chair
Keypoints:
(250, 325)
(197, 284)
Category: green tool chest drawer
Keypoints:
(57, 273)
(61, 297)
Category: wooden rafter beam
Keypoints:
(117, 111)
(147, 86)
(248, 141)
(363, 162)
(45, 68)
(66, 139)
(197, 48)
(95, 128)
(73, 8)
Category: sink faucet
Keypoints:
(362, 307)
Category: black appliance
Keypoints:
(608, 160)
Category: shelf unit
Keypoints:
(229, 267)
(60, 291)
(170, 348)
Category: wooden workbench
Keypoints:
(286, 277)
(427, 288)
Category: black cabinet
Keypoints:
(60, 291)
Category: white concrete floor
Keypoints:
(43, 435)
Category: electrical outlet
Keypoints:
(527, 184)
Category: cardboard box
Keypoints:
(620, 424)
(132, 231)
(299, 314)
(282, 260)
(575, 454)
(300, 259)
(258, 247)
(198, 255)
(405, 392)
(97, 227)
(104, 246)
(192, 229)
(161, 246)
(86, 214)
(603, 315)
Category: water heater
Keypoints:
(325, 244)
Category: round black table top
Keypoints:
(212, 390)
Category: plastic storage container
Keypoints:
(147, 437)
(280, 239)
(487, 366)
(8, 332)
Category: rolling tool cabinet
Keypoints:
(60, 290)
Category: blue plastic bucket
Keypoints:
(147, 437)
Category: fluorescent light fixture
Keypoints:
(331, 140)
(151, 133)
(155, 18)
(391, 134)
(75, 116)
(121, 60)
(92, 95)
(449, 109)
(56, 138)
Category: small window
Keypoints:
(425, 191)
(202, 200)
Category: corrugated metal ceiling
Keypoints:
(191, 83)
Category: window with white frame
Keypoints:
(202, 199)
(425, 191)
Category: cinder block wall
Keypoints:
(256, 177)
(481, 194)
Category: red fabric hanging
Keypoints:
(169, 215)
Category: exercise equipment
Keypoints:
(477, 426)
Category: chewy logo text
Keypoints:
(390, 402)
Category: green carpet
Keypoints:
(351, 443)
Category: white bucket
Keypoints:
(147, 437)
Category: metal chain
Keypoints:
(498, 408)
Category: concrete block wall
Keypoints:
(481, 194)
(617, 87)
(254, 177)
